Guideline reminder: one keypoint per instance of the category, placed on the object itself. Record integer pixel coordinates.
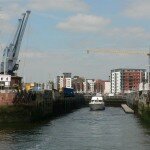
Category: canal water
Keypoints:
(82, 129)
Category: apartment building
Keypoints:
(107, 87)
(82, 85)
(64, 81)
(99, 86)
(125, 80)
(77, 84)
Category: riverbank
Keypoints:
(139, 102)
(23, 113)
(144, 114)
(42, 107)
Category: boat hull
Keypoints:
(97, 106)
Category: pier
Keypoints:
(127, 109)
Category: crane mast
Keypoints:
(11, 52)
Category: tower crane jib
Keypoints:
(125, 52)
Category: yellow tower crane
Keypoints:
(124, 52)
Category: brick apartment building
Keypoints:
(126, 80)
(77, 84)
(90, 85)
(99, 86)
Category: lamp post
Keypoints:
(148, 69)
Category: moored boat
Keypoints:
(97, 103)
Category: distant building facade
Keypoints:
(8, 81)
(82, 85)
(64, 81)
(78, 84)
(5, 80)
(145, 84)
(90, 85)
(126, 80)
(99, 86)
(107, 87)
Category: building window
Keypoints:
(1, 79)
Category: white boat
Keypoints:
(97, 103)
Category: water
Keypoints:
(110, 129)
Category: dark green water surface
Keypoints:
(110, 129)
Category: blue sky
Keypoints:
(60, 31)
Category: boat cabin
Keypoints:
(97, 98)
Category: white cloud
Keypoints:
(36, 54)
(4, 16)
(64, 5)
(138, 9)
(99, 25)
(10, 11)
(33, 54)
(82, 22)
(129, 32)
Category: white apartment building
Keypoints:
(144, 85)
(90, 83)
(68, 82)
(61, 82)
(85, 86)
(5, 80)
(116, 81)
(64, 81)
(107, 87)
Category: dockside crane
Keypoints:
(10, 54)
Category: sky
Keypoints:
(59, 33)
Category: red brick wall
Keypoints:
(131, 80)
(99, 86)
